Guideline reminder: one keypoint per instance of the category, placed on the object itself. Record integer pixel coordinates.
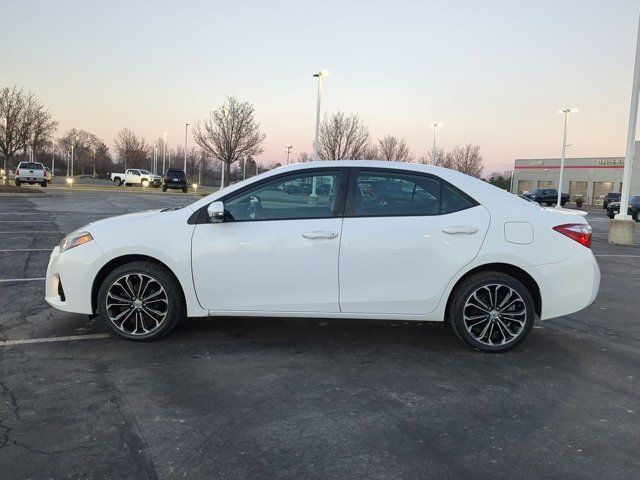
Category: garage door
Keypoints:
(525, 186)
(600, 190)
(577, 189)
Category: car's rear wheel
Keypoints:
(185, 190)
(18, 183)
(492, 311)
(140, 301)
(164, 188)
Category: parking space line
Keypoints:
(35, 231)
(26, 221)
(6, 280)
(617, 255)
(71, 338)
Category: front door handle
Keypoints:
(464, 229)
(320, 234)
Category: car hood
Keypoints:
(119, 221)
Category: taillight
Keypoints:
(17, 172)
(580, 232)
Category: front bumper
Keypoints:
(568, 286)
(70, 276)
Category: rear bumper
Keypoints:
(569, 286)
(70, 276)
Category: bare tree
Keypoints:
(441, 159)
(89, 151)
(466, 159)
(24, 122)
(395, 149)
(343, 138)
(230, 133)
(132, 151)
(304, 157)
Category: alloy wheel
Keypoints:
(495, 314)
(137, 304)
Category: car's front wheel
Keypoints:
(492, 311)
(140, 301)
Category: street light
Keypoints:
(433, 153)
(287, 149)
(566, 113)
(186, 128)
(320, 75)
(164, 151)
(72, 160)
(5, 123)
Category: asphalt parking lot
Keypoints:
(306, 399)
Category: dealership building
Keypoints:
(592, 178)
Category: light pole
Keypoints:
(288, 148)
(244, 168)
(566, 113)
(320, 75)
(222, 169)
(53, 158)
(72, 160)
(622, 227)
(186, 129)
(164, 151)
(433, 152)
(5, 122)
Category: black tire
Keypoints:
(175, 308)
(611, 216)
(185, 190)
(636, 217)
(164, 188)
(549, 204)
(563, 203)
(463, 293)
(127, 184)
(44, 184)
(117, 181)
(18, 183)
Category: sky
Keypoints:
(494, 73)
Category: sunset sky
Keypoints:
(493, 72)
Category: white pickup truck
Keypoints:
(136, 176)
(31, 172)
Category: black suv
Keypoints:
(610, 197)
(634, 208)
(175, 178)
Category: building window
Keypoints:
(525, 186)
(600, 190)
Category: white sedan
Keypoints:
(345, 239)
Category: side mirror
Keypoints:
(215, 210)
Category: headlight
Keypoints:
(74, 239)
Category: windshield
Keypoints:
(31, 166)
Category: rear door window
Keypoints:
(392, 193)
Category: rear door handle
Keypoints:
(464, 229)
(320, 234)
